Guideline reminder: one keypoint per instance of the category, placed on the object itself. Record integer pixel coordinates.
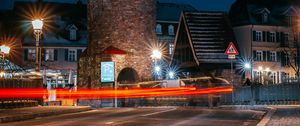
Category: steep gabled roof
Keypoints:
(208, 34)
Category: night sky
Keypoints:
(218, 5)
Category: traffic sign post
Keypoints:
(108, 76)
(231, 51)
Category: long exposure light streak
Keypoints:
(109, 93)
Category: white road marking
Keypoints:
(154, 113)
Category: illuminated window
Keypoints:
(265, 17)
(49, 56)
(31, 54)
(258, 36)
(273, 56)
(73, 35)
(158, 29)
(272, 37)
(171, 48)
(259, 55)
(171, 29)
(72, 55)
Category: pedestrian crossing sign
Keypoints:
(231, 50)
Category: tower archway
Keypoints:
(128, 75)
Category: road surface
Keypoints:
(165, 116)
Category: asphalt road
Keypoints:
(149, 117)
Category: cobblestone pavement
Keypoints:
(285, 116)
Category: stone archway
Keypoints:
(128, 75)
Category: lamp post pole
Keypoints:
(37, 27)
(37, 50)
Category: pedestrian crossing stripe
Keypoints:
(231, 50)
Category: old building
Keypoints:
(167, 19)
(119, 31)
(267, 35)
(200, 43)
(64, 38)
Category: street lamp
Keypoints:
(4, 50)
(156, 55)
(247, 66)
(171, 75)
(37, 27)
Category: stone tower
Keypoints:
(120, 31)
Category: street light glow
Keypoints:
(268, 69)
(260, 68)
(247, 65)
(37, 24)
(171, 74)
(157, 68)
(4, 49)
(156, 54)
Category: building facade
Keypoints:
(63, 39)
(167, 20)
(268, 37)
(200, 44)
(122, 32)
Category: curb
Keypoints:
(23, 117)
(267, 117)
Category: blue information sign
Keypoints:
(107, 72)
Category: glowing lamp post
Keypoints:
(37, 27)
(156, 55)
(4, 51)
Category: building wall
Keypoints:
(247, 45)
(124, 24)
(60, 64)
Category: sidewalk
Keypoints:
(285, 116)
(277, 115)
(10, 115)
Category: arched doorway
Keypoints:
(128, 75)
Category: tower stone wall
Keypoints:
(127, 25)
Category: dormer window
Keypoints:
(171, 29)
(73, 35)
(158, 29)
(290, 20)
(265, 17)
(72, 32)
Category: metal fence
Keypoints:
(265, 94)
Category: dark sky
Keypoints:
(218, 5)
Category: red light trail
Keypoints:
(108, 93)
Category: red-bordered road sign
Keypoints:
(231, 50)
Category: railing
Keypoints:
(266, 94)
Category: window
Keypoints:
(31, 54)
(158, 29)
(73, 34)
(72, 55)
(272, 37)
(273, 56)
(171, 30)
(259, 55)
(49, 56)
(171, 47)
(258, 36)
(265, 17)
(290, 20)
(286, 37)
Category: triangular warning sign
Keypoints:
(231, 50)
